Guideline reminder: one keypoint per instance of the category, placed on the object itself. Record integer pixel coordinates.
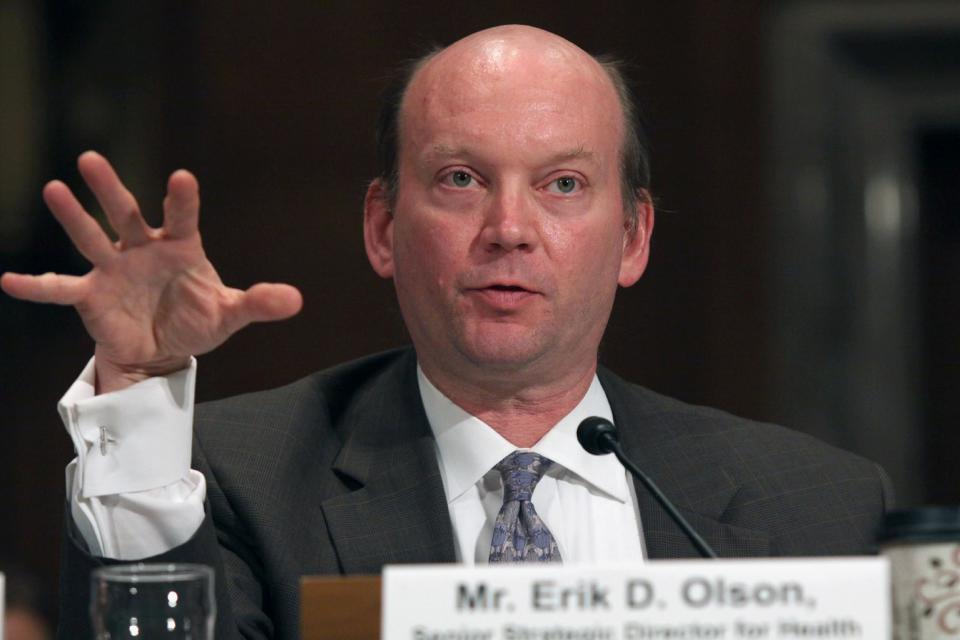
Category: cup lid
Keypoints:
(921, 523)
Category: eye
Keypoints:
(459, 179)
(564, 185)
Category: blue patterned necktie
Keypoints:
(519, 535)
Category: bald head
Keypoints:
(488, 59)
(491, 63)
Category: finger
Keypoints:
(264, 303)
(181, 207)
(121, 207)
(87, 235)
(49, 287)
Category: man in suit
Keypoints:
(513, 202)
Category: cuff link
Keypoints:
(105, 439)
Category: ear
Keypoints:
(378, 229)
(636, 242)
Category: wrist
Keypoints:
(114, 377)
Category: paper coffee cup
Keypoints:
(923, 546)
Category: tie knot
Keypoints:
(521, 471)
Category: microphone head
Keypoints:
(597, 435)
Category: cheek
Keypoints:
(587, 263)
(586, 251)
(427, 254)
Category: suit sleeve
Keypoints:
(96, 524)
(886, 488)
(77, 563)
(239, 593)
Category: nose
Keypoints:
(509, 222)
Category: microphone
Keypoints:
(598, 436)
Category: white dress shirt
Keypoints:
(586, 501)
(133, 494)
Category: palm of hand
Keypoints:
(163, 300)
(153, 299)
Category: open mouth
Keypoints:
(507, 287)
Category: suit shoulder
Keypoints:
(745, 446)
(315, 399)
(806, 496)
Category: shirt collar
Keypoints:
(468, 447)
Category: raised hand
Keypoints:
(152, 299)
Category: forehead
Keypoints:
(513, 92)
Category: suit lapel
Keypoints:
(680, 464)
(398, 512)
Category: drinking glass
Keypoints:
(168, 601)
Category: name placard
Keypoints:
(678, 600)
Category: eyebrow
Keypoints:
(577, 153)
(574, 153)
(445, 150)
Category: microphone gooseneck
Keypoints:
(598, 436)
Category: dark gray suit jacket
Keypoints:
(337, 474)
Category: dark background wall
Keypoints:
(272, 105)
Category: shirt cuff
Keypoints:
(135, 439)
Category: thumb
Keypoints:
(265, 302)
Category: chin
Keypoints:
(503, 350)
